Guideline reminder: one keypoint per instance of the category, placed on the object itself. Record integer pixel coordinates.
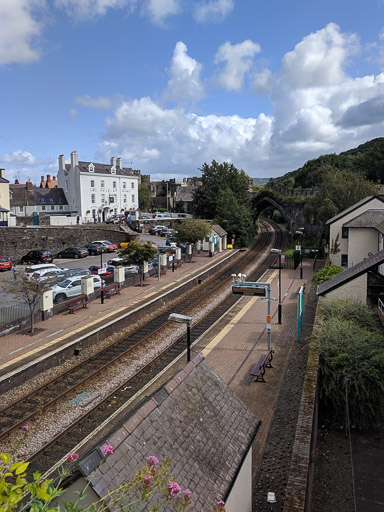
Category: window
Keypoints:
(132, 185)
(344, 232)
(344, 260)
(102, 184)
(93, 213)
(111, 199)
(113, 169)
(125, 198)
(66, 185)
(61, 207)
(93, 183)
(91, 168)
(102, 198)
(43, 207)
(133, 198)
(93, 198)
(114, 184)
(124, 184)
(52, 207)
(21, 208)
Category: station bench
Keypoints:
(177, 263)
(77, 303)
(264, 362)
(112, 289)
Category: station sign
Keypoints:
(249, 289)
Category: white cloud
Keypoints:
(84, 9)
(184, 85)
(159, 10)
(213, 10)
(19, 157)
(238, 60)
(21, 26)
(263, 81)
(102, 102)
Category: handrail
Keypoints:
(380, 305)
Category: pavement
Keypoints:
(232, 347)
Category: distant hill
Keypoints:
(367, 160)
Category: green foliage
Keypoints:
(192, 231)
(350, 350)
(136, 254)
(215, 178)
(145, 197)
(326, 273)
(234, 217)
(348, 309)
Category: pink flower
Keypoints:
(152, 461)
(174, 489)
(107, 449)
(220, 504)
(72, 456)
(187, 494)
(148, 480)
(25, 427)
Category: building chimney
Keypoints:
(74, 159)
(29, 184)
(17, 182)
(113, 161)
(48, 178)
(120, 163)
(2, 173)
(61, 163)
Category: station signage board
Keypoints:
(249, 289)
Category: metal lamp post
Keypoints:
(182, 319)
(301, 233)
(279, 306)
(102, 281)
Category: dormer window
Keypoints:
(91, 168)
(113, 169)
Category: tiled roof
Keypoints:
(353, 207)
(368, 219)
(197, 421)
(103, 169)
(3, 180)
(219, 230)
(351, 273)
(21, 196)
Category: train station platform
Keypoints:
(19, 348)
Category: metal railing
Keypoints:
(9, 314)
(380, 305)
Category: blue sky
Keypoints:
(171, 84)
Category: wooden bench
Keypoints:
(112, 289)
(264, 362)
(77, 303)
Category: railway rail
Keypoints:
(66, 384)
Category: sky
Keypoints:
(169, 85)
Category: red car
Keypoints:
(106, 245)
(106, 274)
(5, 264)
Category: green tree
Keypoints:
(192, 231)
(29, 289)
(145, 197)
(326, 273)
(136, 254)
(234, 217)
(215, 178)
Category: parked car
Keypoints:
(71, 287)
(105, 273)
(153, 230)
(73, 272)
(113, 219)
(42, 269)
(73, 252)
(115, 262)
(93, 249)
(5, 264)
(34, 257)
(108, 246)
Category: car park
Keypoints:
(38, 256)
(104, 272)
(113, 219)
(108, 246)
(5, 264)
(115, 262)
(93, 249)
(73, 252)
(65, 273)
(71, 287)
(42, 269)
(153, 230)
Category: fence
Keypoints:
(9, 314)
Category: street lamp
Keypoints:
(102, 281)
(279, 307)
(301, 233)
(182, 319)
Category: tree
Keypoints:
(215, 178)
(136, 254)
(234, 217)
(145, 197)
(192, 231)
(30, 290)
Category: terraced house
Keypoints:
(96, 191)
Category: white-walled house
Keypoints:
(95, 190)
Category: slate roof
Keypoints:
(351, 273)
(219, 230)
(353, 207)
(3, 180)
(368, 219)
(197, 421)
(103, 169)
(21, 196)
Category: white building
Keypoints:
(98, 190)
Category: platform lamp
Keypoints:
(102, 280)
(182, 319)
(301, 233)
(280, 306)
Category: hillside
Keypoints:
(366, 160)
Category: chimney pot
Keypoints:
(113, 161)
(119, 163)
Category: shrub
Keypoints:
(349, 310)
(326, 273)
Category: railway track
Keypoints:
(26, 410)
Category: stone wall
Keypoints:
(17, 241)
